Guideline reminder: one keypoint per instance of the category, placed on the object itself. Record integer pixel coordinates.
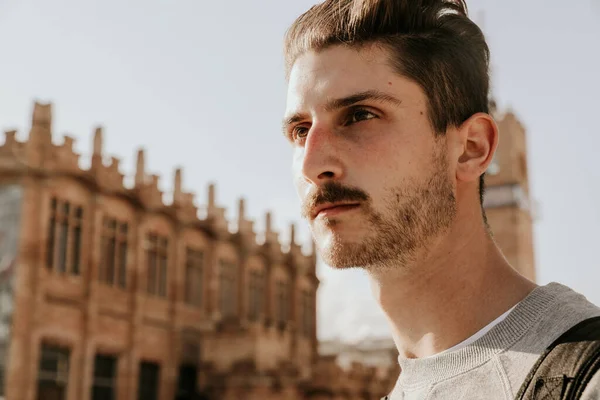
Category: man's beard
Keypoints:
(414, 215)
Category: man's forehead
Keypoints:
(339, 64)
(313, 93)
(318, 77)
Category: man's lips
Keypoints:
(331, 209)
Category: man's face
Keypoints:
(373, 178)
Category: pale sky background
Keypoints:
(200, 84)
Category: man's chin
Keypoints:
(364, 254)
(343, 249)
(343, 256)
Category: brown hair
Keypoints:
(432, 42)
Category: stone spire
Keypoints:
(177, 191)
(97, 148)
(292, 234)
(268, 224)
(41, 124)
(241, 211)
(215, 213)
(42, 116)
(244, 225)
(270, 235)
(98, 142)
(10, 138)
(211, 197)
(140, 169)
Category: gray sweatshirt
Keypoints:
(495, 366)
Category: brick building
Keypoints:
(109, 293)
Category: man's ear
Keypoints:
(479, 140)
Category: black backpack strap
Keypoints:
(566, 367)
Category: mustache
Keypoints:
(331, 192)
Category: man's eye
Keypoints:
(299, 132)
(359, 115)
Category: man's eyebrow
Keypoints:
(336, 104)
(374, 95)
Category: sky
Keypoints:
(200, 85)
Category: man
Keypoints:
(387, 113)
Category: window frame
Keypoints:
(65, 237)
(59, 378)
(142, 388)
(194, 262)
(157, 258)
(114, 252)
(105, 382)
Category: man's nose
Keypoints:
(322, 157)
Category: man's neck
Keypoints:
(461, 284)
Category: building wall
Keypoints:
(509, 208)
(512, 229)
(75, 308)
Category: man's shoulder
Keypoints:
(538, 321)
(558, 309)
(570, 302)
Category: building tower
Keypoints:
(507, 199)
